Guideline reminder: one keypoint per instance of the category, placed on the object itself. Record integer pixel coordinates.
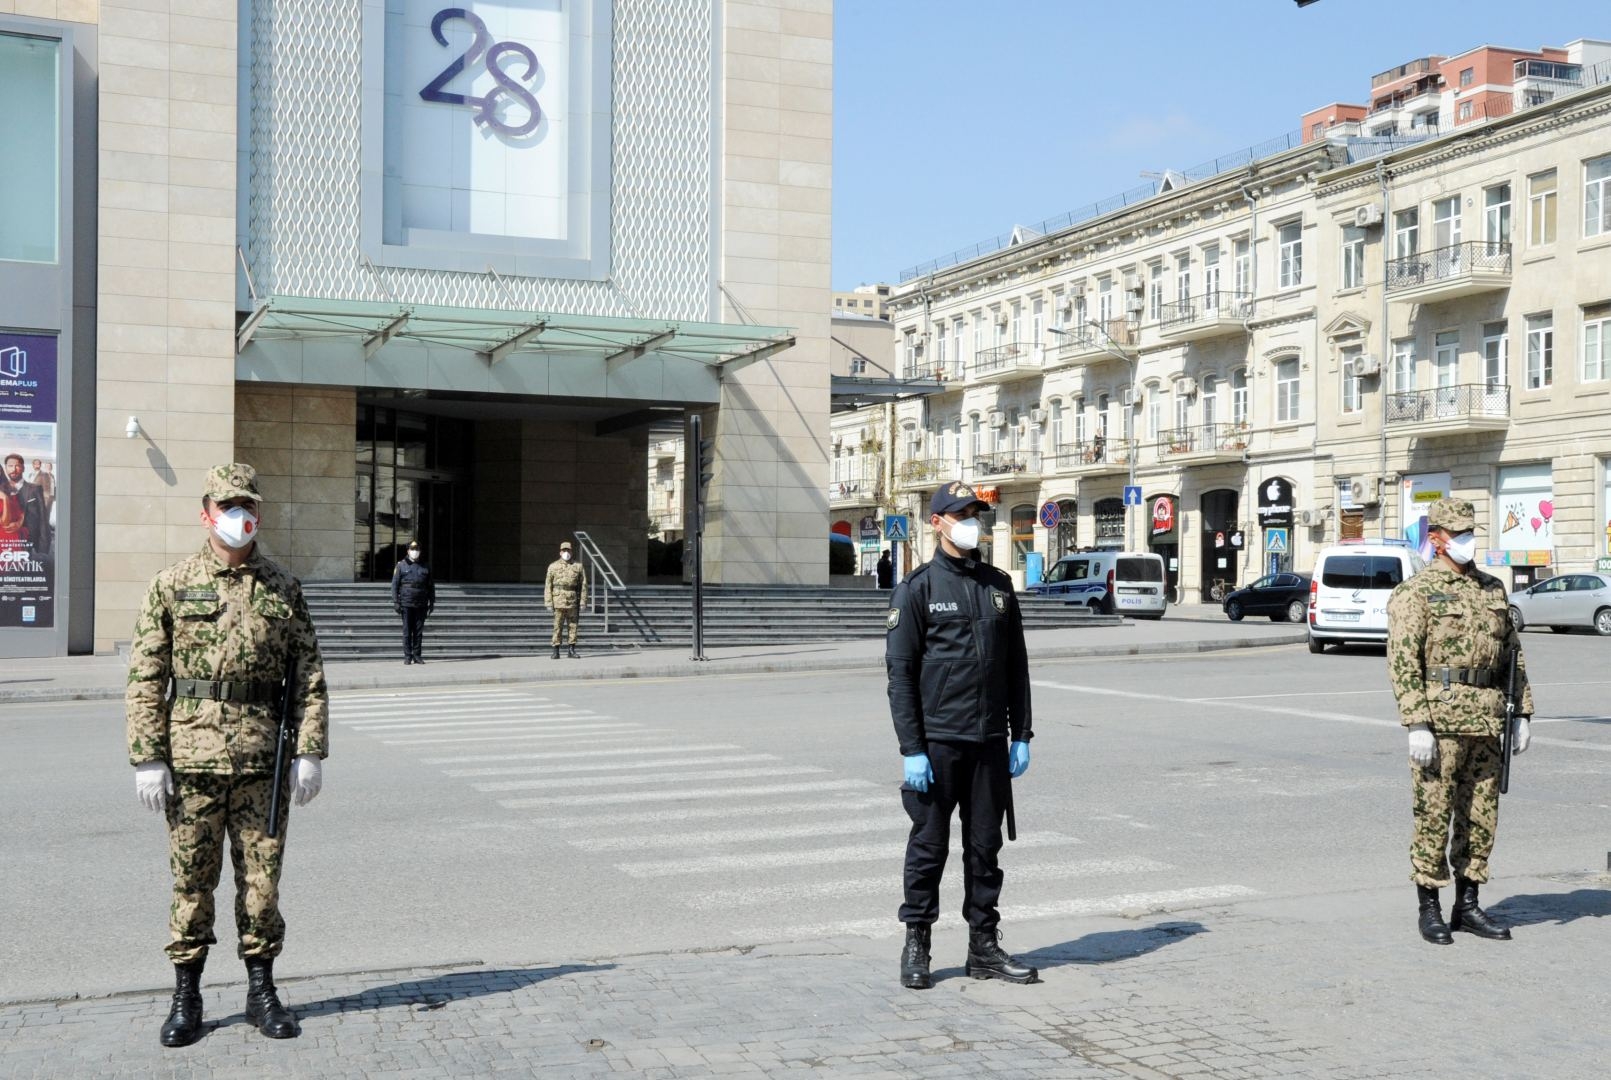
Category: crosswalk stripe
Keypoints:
(723, 899)
(681, 794)
(715, 813)
(449, 714)
(545, 783)
(772, 860)
(576, 733)
(512, 721)
(1106, 905)
(605, 766)
(392, 700)
(550, 755)
(741, 836)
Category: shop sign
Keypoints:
(989, 495)
(1275, 503)
(28, 480)
(1163, 517)
(867, 528)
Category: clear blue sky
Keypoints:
(954, 120)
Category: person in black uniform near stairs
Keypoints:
(413, 597)
(958, 691)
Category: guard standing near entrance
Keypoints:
(958, 689)
(1448, 639)
(212, 645)
(564, 593)
(414, 598)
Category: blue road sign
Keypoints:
(1132, 494)
(1275, 541)
(896, 527)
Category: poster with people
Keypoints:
(28, 480)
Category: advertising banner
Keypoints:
(28, 366)
(1419, 492)
(1524, 515)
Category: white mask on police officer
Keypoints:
(965, 534)
(413, 554)
(236, 527)
(1462, 548)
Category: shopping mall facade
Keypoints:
(437, 272)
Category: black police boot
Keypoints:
(556, 652)
(1469, 917)
(1433, 928)
(263, 1006)
(183, 1025)
(572, 653)
(987, 960)
(915, 958)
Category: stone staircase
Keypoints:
(356, 621)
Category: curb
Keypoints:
(684, 668)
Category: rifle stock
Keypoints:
(283, 740)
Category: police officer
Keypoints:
(414, 598)
(564, 593)
(210, 652)
(1449, 632)
(958, 687)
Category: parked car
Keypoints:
(1563, 602)
(1109, 582)
(1283, 597)
(1349, 587)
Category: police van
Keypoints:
(1109, 582)
(1349, 589)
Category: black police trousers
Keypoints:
(970, 778)
(413, 632)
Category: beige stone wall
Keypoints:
(300, 439)
(80, 11)
(768, 516)
(167, 283)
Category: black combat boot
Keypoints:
(572, 653)
(183, 1025)
(263, 1006)
(1467, 916)
(1433, 928)
(987, 960)
(556, 652)
(915, 958)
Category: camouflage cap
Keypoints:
(565, 546)
(1455, 515)
(232, 481)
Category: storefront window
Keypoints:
(1109, 515)
(30, 126)
(1023, 533)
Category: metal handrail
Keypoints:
(1445, 263)
(1212, 305)
(599, 568)
(1013, 354)
(1091, 452)
(1004, 463)
(1203, 439)
(1448, 403)
(1092, 337)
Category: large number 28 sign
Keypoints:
(509, 89)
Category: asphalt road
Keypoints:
(602, 819)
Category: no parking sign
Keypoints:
(1050, 515)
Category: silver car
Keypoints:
(1563, 602)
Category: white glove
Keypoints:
(307, 779)
(1523, 735)
(1423, 746)
(153, 782)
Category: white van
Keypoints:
(1349, 589)
(1109, 582)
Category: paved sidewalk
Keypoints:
(95, 678)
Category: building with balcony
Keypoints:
(869, 300)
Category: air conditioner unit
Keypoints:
(1368, 365)
(1132, 283)
(1364, 492)
(996, 418)
(1367, 215)
(1037, 416)
(1135, 304)
(1129, 397)
(1001, 318)
(1311, 517)
(1187, 387)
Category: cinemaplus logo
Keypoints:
(13, 362)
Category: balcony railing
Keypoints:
(1002, 360)
(1004, 465)
(916, 472)
(1202, 441)
(1452, 409)
(1447, 272)
(1205, 315)
(841, 491)
(1088, 341)
(1092, 456)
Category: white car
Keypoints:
(1349, 588)
(1563, 602)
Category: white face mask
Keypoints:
(413, 554)
(565, 555)
(1462, 548)
(965, 534)
(236, 527)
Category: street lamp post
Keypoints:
(1112, 348)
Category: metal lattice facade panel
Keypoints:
(303, 150)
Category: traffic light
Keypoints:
(704, 463)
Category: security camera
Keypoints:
(132, 430)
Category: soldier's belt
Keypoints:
(1464, 676)
(244, 693)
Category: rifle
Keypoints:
(1507, 735)
(284, 743)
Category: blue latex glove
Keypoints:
(1018, 758)
(919, 774)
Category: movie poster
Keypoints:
(28, 480)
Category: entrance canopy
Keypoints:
(377, 343)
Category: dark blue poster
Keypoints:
(28, 475)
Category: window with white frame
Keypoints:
(1183, 279)
(1353, 257)
(956, 348)
(1208, 394)
(1080, 314)
(1057, 424)
(1446, 359)
(1155, 292)
(1446, 222)
(1467, 77)
(1242, 269)
(858, 365)
(1017, 321)
(1541, 208)
(1037, 321)
(1104, 405)
(1211, 274)
(1286, 390)
(1058, 315)
(1078, 409)
(1352, 393)
(1406, 232)
(975, 437)
(1597, 196)
(1104, 301)
(911, 354)
(1155, 412)
(1596, 342)
(1402, 376)
(1240, 399)
(1496, 216)
(1495, 354)
(1000, 320)
(1289, 239)
(1467, 110)
(978, 335)
(1540, 351)
(1182, 411)
(939, 348)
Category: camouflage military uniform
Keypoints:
(1436, 620)
(205, 620)
(565, 590)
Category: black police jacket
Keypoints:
(412, 585)
(958, 669)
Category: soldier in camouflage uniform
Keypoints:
(208, 662)
(1449, 633)
(564, 593)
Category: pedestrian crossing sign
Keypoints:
(896, 528)
(1275, 541)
